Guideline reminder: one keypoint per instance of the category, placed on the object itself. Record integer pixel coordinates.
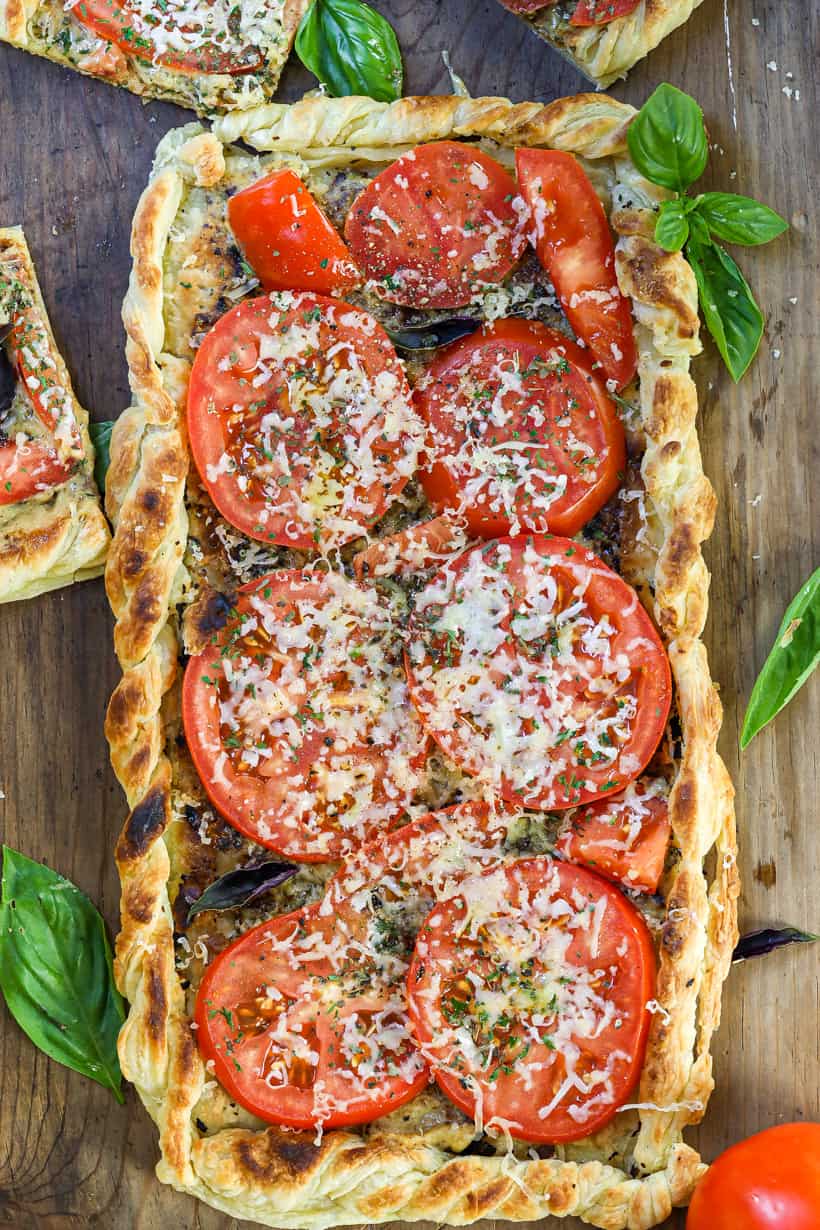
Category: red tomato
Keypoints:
(435, 226)
(139, 36)
(599, 12)
(624, 839)
(287, 240)
(769, 1182)
(300, 419)
(33, 352)
(297, 716)
(521, 433)
(412, 550)
(305, 1025)
(574, 245)
(528, 994)
(29, 469)
(535, 667)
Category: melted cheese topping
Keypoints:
(531, 678)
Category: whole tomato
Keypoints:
(769, 1182)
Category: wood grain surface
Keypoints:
(74, 157)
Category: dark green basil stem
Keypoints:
(351, 49)
(56, 972)
(759, 943)
(793, 657)
(242, 886)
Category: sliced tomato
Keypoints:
(306, 1026)
(436, 225)
(287, 240)
(33, 353)
(29, 469)
(411, 550)
(528, 993)
(624, 838)
(536, 669)
(175, 37)
(300, 419)
(574, 244)
(600, 12)
(522, 434)
(297, 716)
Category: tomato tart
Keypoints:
(52, 528)
(603, 38)
(209, 55)
(428, 883)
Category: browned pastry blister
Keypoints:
(406, 1166)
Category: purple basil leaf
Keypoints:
(758, 943)
(242, 886)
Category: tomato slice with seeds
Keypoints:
(625, 838)
(536, 669)
(528, 994)
(208, 40)
(601, 12)
(297, 716)
(287, 240)
(574, 244)
(300, 419)
(306, 1026)
(437, 225)
(522, 434)
(29, 469)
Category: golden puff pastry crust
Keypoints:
(386, 1171)
(606, 52)
(59, 535)
(48, 28)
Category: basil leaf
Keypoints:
(672, 227)
(101, 439)
(739, 219)
(759, 943)
(429, 337)
(728, 305)
(794, 655)
(351, 49)
(241, 887)
(667, 139)
(56, 971)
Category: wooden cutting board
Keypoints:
(75, 156)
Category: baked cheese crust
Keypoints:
(606, 52)
(49, 28)
(59, 535)
(169, 557)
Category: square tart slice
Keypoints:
(174, 578)
(603, 38)
(209, 55)
(52, 528)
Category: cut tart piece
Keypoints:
(52, 528)
(603, 38)
(209, 55)
(260, 594)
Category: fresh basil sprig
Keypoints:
(794, 655)
(56, 972)
(101, 439)
(668, 144)
(351, 48)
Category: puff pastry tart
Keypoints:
(209, 55)
(603, 38)
(428, 885)
(52, 529)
